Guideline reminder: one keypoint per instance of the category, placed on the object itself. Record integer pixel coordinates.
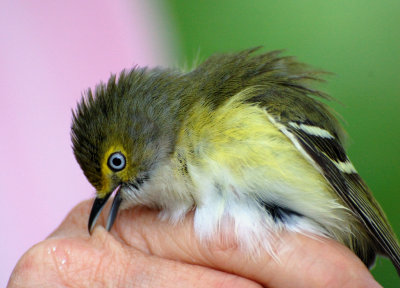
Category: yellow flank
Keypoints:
(240, 137)
(107, 173)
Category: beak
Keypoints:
(99, 204)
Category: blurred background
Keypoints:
(51, 51)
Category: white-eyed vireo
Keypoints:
(240, 139)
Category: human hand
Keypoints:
(143, 251)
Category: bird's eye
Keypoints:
(116, 161)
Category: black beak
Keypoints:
(99, 204)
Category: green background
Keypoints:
(359, 41)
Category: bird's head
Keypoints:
(116, 141)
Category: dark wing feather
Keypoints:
(326, 152)
(354, 192)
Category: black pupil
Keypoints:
(116, 162)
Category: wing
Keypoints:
(316, 135)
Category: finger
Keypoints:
(103, 261)
(303, 261)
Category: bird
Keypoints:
(243, 141)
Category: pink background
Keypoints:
(49, 53)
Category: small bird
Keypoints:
(241, 140)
